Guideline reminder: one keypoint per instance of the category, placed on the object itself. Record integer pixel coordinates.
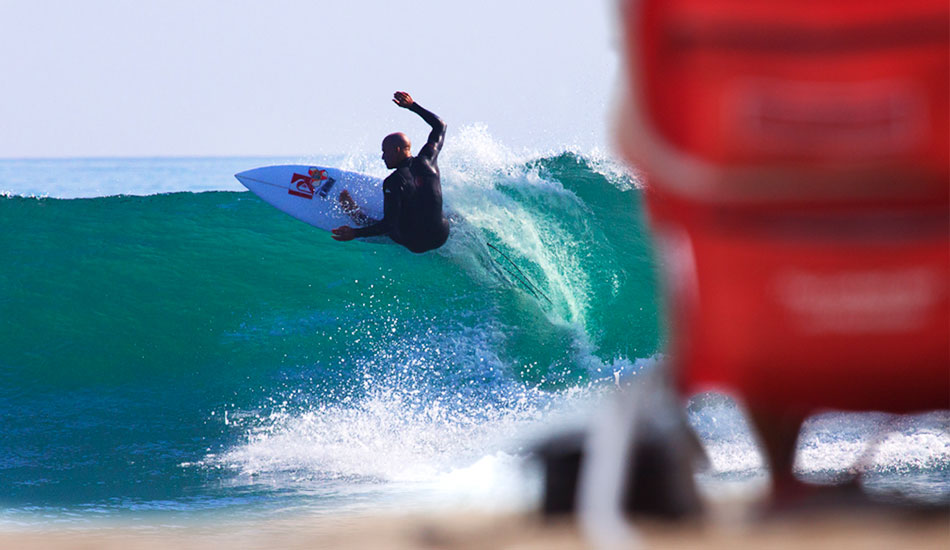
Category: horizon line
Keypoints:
(162, 156)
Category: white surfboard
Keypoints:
(311, 193)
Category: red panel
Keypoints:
(798, 163)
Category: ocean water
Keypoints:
(171, 347)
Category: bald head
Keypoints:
(397, 140)
(396, 148)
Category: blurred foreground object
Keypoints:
(797, 160)
(796, 157)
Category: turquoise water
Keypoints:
(148, 340)
(183, 347)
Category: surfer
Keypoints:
(412, 194)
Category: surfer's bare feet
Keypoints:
(347, 202)
(351, 209)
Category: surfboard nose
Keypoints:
(248, 176)
(241, 176)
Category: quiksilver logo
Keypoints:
(305, 186)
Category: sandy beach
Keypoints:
(457, 531)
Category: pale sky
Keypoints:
(217, 77)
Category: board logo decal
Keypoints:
(305, 186)
(325, 188)
(301, 186)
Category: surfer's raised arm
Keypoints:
(436, 136)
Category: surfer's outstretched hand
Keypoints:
(403, 99)
(344, 233)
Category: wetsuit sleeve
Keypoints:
(436, 137)
(391, 203)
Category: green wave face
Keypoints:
(129, 326)
(117, 288)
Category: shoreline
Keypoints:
(817, 528)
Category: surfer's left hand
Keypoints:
(403, 99)
(344, 233)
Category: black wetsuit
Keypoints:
(412, 196)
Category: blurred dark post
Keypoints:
(798, 183)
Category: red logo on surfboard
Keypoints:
(305, 186)
(301, 186)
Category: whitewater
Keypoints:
(171, 346)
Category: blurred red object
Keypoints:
(797, 163)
